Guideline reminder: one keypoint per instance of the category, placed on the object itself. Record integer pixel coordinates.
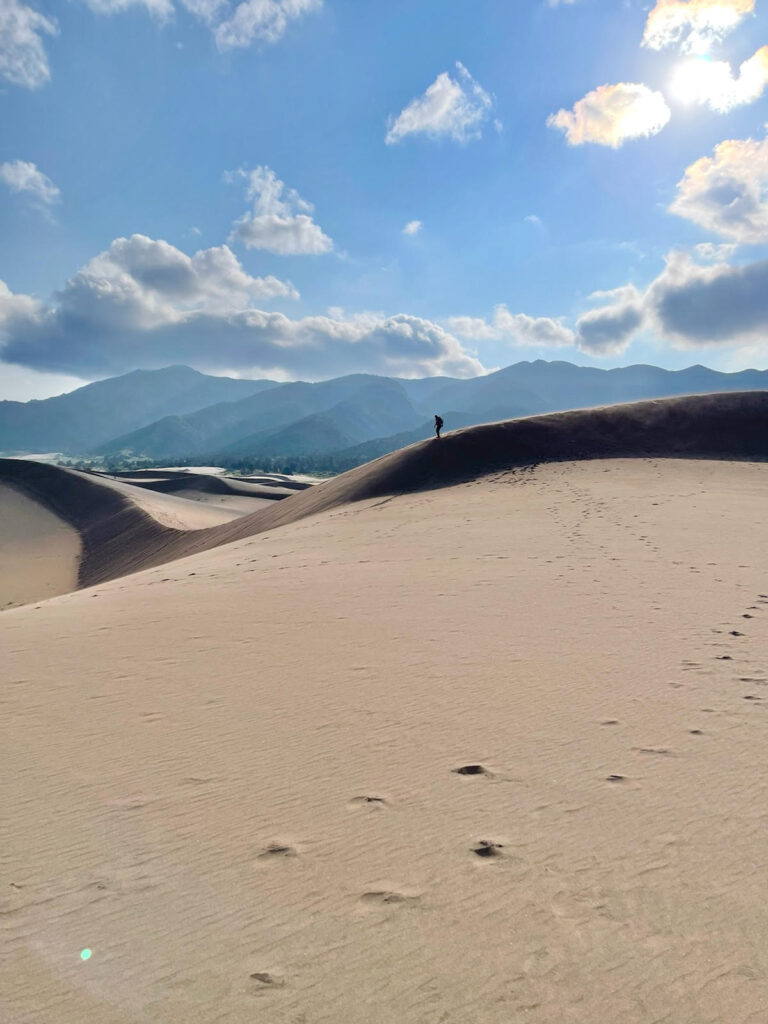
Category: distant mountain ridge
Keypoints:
(178, 413)
(82, 419)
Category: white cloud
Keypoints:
(612, 114)
(413, 227)
(234, 26)
(728, 192)
(143, 281)
(712, 82)
(689, 305)
(709, 252)
(517, 329)
(15, 308)
(281, 220)
(693, 24)
(609, 329)
(145, 303)
(717, 305)
(262, 20)
(23, 60)
(22, 176)
(161, 9)
(453, 108)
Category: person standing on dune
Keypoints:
(438, 425)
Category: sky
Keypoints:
(298, 189)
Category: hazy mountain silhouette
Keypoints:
(84, 418)
(178, 412)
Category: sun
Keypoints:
(694, 80)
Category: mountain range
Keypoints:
(178, 413)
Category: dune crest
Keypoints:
(120, 537)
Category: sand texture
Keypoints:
(39, 552)
(121, 535)
(482, 753)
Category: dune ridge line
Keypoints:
(120, 538)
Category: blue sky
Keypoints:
(227, 185)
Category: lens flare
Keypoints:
(85, 954)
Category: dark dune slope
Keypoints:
(119, 538)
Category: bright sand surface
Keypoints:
(171, 510)
(233, 777)
(240, 504)
(39, 553)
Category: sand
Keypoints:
(120, 525)
(122, 534)
(234, 777)
(39, 552)
(237, 504)
(170, 510)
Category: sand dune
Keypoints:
(120, 538)
(488, 753)
(207, 486)
(39, 552)
(103, 516)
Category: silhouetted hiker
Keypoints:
(438, 426)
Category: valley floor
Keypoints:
(233, 778)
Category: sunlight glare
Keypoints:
(693, 80)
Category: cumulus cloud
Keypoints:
(23, 177)
(413, 227)
(262, 20)
(23, 60)
(517, 329)
(694, 305)
(233, 26)
(728, 192)
(453, 108)
(145, 303)
(712, 82)
(612, 114)
(145, 282)
(609, 329)
(693, 24)
(689, 305)
(281, 220)
(16, 309)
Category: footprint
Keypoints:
(472, 769)
(388, 897)
(487, 848)
(267, 980)
(374, 802)
(275, 850)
